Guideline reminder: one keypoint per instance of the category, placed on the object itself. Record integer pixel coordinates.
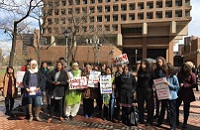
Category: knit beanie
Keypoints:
(189, 65)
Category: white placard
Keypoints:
(162, 89)
(121, 59)
(94, 79)
(32, 90)
(19, 78)
(105, 84)
(78, 83)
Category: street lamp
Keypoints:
(66, 33)
(136, 52)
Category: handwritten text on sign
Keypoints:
(120, 60)
(105, 84)
(78, 83)
(94, 79)
(19, 78)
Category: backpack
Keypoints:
(133, 117)
(19, 112)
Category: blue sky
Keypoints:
(194, 27)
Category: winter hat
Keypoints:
(189, 65)
(75, 64)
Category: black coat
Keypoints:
(127, 86)
(58, 90)
(145, 80)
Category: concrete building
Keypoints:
(141, 28)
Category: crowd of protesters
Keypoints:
(42, 85)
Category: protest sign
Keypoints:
(162, 89)
(105, 84)
(78, 83)
(94, 79)
(120, 60)
(19, 78)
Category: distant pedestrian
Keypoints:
(187, 81)
(9, 89)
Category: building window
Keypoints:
(63, 11)
(84, 1)
(187, 13)
(187, 2)
(107, 8)
(77, 19)
(131, 6)
(63, 3)
(84, 9)
(99, 8)
(70, 11)
(168, 3)
(115, 27)
(63, 21)
(115, 7)
(56, 12)
(77, 2)
(49, 12)
(56, 31)
(131, 16)
(92, 1)
(69, 20)
(150, 15)
(49, 30)
(56, 21)
(49, 21)
(91, 28)
(178, 13)
(149, 5)
(178, 3)
(99, 1)
(91, 10)
(123, 17)
(99, 18)
(84, 29)
(99, 28)
(123, 7)
(77, 10)
(56, 4)
(115, 18)
(107, 1)
(159, 15)
(50, 4)
(140, 16)
(70, 2)
(159, 4)
(107, 27)
(107, 18)
(62, 29)
(168, 14)
(140, 5)
(92, 19)
(84, 19)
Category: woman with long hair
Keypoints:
(187, 81)
(145, 92)
(9, 89)
(32, 85)
(170, 104)
(58, 81)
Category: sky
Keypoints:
(193, 28)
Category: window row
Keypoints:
(90, 28)
(149, 4)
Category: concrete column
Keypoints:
(144, 29)
(144, 48)
(173, 27)
(53, 40)
(119, 40)
(170, 51)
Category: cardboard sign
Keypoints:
(94, 79)
(162, 89)
(78, 83)
(120, 60)
(105, 84)
(19, 78)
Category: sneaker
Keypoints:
(67, 118)
(86, 116)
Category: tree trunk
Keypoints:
(12, 52)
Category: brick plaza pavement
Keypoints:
(94, 123)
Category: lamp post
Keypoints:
(66, 33)
(95, 42)
(136, 52)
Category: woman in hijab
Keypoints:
(73, 97)
(32, 84)
(58, 82)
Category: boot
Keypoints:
(37, 112)
(30, 112)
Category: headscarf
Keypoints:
(76, 73)
(36, 68)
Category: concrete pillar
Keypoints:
(144, 29)
(144, 48)
(170, 51)
(53, 40)
(119, 40)
(173, 27)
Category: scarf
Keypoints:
(76, 73)
(32, 71)
(126, 76)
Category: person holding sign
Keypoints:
(127, 87)
(170, 104)
(9, 90)
(32, 85)
(73, 97)
(145, 92)
(187, 81)
(56, 90)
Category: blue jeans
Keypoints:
(36, 99)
